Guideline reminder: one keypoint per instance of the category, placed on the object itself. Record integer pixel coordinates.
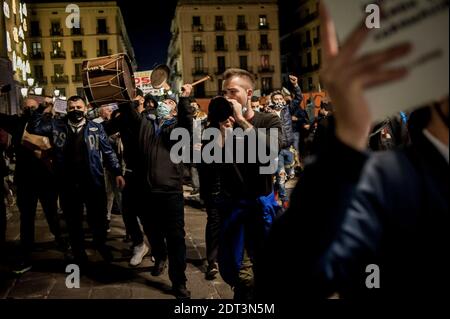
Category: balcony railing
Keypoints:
(77, 78)
(266, 69)
(219, 26)
(241, 26)
(307, 44)
(37, 55)
(78, 54)
(76, 31)
(243, 47)
(56, 32)
(103, 30)
(58, 55)
(58, 79)
(104, 52)
(197, 27)
(265, 46)
(41, 80)
(221, 48)
(264, 26)
(199, 71)
(200, 48)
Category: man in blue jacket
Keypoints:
(79, 145)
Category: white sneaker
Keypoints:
(138, 254)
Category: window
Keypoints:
(58, 70)
(199, 90)
(264, 40)
(36, 48)
(220, 64)
(243, 62)
(103, 47)
(198, 63)
(310, 84)
(198, 41)
(196, 21)
(266, 85)
(219, 23)
(265, 61)
(38, 72)
(56, 47)
(241, 19)
(319, 57)
(219, 86)
(77, 48)
(308, 36)
(80, 92)
(308, 60)
(78, 68)
(220, 42)
(35, 30)
(101, 26)
(62, 91)
(242, 42)
(263, 22)
(56, 28)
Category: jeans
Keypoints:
(212, 233)
(285, 166)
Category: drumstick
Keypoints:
(206, 78)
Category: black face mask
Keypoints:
(75, 116)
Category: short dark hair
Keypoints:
(276, 93)
(75, 98)
(231, 73)
(255, 99)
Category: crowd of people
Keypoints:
(365, 194)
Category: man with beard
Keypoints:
(79, 146)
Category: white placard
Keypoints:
(60, 106)
(424, 24)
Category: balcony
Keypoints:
(221, 48)
(265, 47)
(103, 30)
(316, 41)
(219, 26)
(41, 80)
(56, 32)
(60, 79)
(197, 28)
(264, 26)
(58, 55)
(200, 71)
(198, 48)
(243, 47)
(104, 52)
(241, 26)
(76, 31)
(37, 55)
(266, 69)
(78, 54)
(77, 78)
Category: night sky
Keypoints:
(148, 25)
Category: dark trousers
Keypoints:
(132, 196)
(164, 227)
(74, 197)
(212, 233)
(28, 194)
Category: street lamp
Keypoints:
(38, 90)
(24, 92)
(30, 82)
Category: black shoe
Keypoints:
(180, 291)
(211, 271)
(106, 254)
(22, 266)
(158, 268)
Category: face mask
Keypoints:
(163, 110)
(75, 116)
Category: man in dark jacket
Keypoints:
(162, 184)
(79, 146)
(34, 181)
(382, 229)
